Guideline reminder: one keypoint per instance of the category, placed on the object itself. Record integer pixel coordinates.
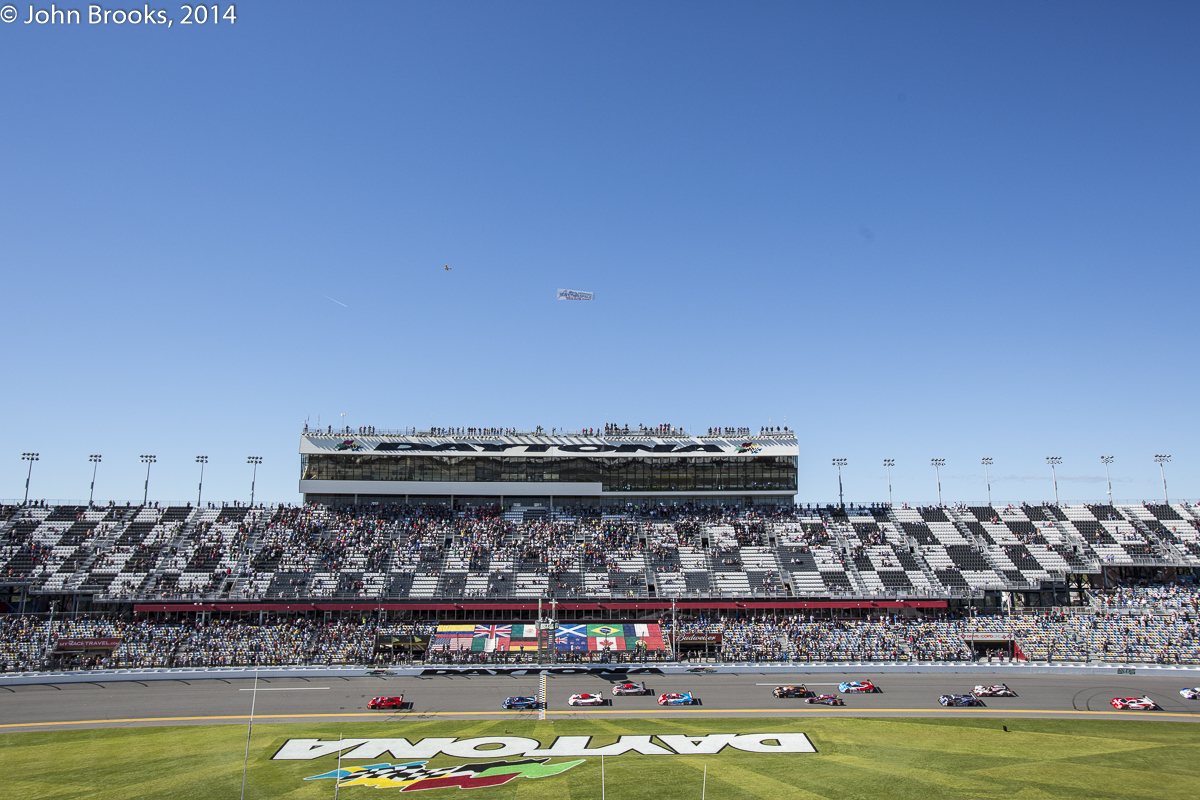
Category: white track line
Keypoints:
(286, 689)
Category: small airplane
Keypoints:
(447, 267)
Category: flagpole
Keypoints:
(337, 779)
(704, 785)
(249, 728)
(601, 776)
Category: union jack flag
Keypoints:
(493, 631)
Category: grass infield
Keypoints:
(917, 759)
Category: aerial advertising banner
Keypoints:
(572, 294)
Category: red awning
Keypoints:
(192, 607)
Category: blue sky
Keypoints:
(912, 229)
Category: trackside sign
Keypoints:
(666, 744)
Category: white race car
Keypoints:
(1190, 694)
(999, 690)
(586, 700)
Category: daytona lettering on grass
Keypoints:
(507, 746)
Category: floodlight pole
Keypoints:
(839, 463)
(1054, 461)
(95, 459)
(1160, 460)
(255, 460)
(147, 460)
(1108, 460)
(889, 463)
(987, 461)
(938, 463)
(30, 457)
(201, 460)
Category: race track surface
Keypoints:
(747, 694)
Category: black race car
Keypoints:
(960, 700)
(791, 691)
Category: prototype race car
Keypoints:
(825, 700)
(1190, 694)
(999, 690)
(701, 669)
(960, 700)
(857, 686)
(378, 672)
(677, 699)
(386, 702)
(791, 691)
(1134, 703)
(622, 689)
(522, 702)
(586, 700)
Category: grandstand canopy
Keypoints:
(537, 469)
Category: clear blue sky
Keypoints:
(913, 229)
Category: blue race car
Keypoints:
(522, 702)
(960, 700)
(857, 686)
(677, 699)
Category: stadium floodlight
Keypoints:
(889, 463)
(1054, 461)
(95, 459)
(147, 460)
(255, 460)
(937, 464)
(839, 463)
(1108, 460)
(1160, 460)
(30, 457)
(201, 460)
(987, 478)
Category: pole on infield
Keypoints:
(337, 779)
(704, 784)
(601, 776)
(249, 728)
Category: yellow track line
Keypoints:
(769, 711)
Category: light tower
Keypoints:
(839, 463)
(30, 457)
(147, 460)
(987, 462)
(889, 463)
(1108, 460)
(95, 459)
(1054, 461)
(1160, 460)
(937, 464)
(255, 460)
(201, 460)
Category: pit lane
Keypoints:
(744, 694)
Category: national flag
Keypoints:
(483, 644)
(642, 631)
(573, 631)
(606, 643)
(493, 631)
(565, 644)
(605, 630)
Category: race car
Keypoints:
(701, 670)
(386, 702)
(1134, 703)
(825, 700)
(380, 672)
(622, 689)
(960, 700)
(677, 699)
(791, 691)
(521, 702)
(999, 690)
(586, 700)
(857, 686)
(1190, 694)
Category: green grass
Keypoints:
(907, 759)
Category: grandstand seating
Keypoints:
(122, 554)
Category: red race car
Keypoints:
(1134, 703)
(382, 703)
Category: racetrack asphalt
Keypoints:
(745, 694)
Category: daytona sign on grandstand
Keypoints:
(526, 446)
(668, 744)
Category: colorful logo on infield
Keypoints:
(349, 444)
(414, 776)
(748, 447)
